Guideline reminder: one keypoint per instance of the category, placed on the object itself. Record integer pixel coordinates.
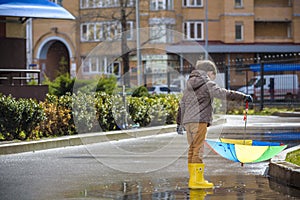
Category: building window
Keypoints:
(115, 69)
(103, 3)
(100, 65)
(238, 3)
(162, 33)
(193, 30)
(239, 31)
(161, 5)
(100, 31)
(87, 32)
(192, 3)
(86, 4)
(161, 30)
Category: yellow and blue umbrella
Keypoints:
(246, 151)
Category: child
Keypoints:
(195, 114)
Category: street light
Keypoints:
(206, 29)
(138, 42)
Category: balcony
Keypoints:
(275, 14)
(273, 32)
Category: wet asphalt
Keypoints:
(153, 167)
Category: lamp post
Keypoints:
(138, 42)
(206, 29)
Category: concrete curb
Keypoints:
(287, 114)
(285, 172)
(88, 138)
(82, 139)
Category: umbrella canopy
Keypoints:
(245, 151)
(33, 9)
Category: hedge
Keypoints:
(19, 117)
(82, 113)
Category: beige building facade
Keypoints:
(232, 32)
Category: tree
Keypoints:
(125, 49)
(119, 13)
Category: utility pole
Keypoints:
(138, 42)
(262, 73)
(206, 29)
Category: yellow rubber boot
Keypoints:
(197, 180)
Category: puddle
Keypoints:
(231, 182)
(226, 187)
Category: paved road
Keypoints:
(152, 167)
(75, 173)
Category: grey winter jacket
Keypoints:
(197, 100)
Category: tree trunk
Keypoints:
(125, 49)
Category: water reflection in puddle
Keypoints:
(226, 187)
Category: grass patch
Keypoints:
(265, 112)
(293, 157)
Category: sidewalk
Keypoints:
(82, 139)
(285, 172)
(230, 124)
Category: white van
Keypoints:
(164, 89)
(276, 87)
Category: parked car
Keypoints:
(276, 87)
(164, 89)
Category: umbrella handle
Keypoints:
(245, 119)
(246, 110)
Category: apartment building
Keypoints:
(231, 32)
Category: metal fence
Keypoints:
(270, 84)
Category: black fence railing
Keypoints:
(19, 76)
(270, 83)
(22, 83)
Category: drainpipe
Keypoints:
(28, 42)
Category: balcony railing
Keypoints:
(16, 82)
(19, 76)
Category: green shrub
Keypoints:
(171, 105)
(104, 111)
(140, 92)
(111, 113)
(81, 113)
(84, 112)
(62, 85)
(139, 110)
(58, 117)
(157, 110)
(19, 117)
(106, 84)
